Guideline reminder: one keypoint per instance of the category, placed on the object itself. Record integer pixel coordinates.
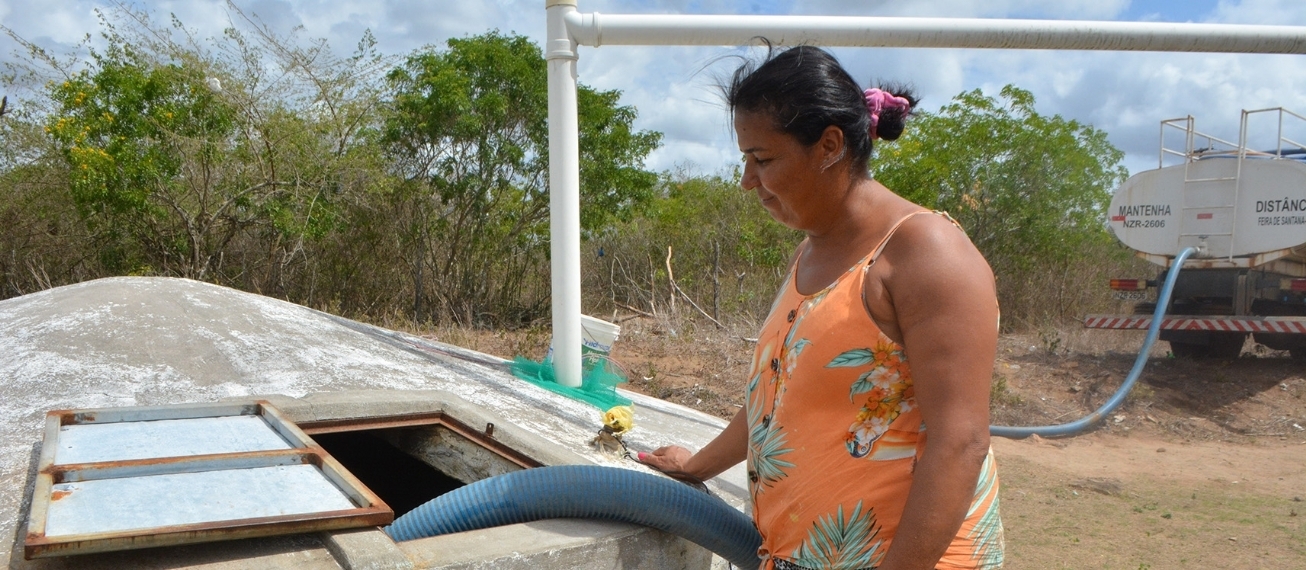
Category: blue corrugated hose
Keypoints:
(1118, 398)
(588, 492)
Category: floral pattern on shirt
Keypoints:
(887, 389)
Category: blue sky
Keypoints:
(1168, 10)
(1125, 94)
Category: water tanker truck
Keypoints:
(1244, 211)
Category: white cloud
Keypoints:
(1277, 12)
(1129, 94)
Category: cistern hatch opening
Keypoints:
(410, 460)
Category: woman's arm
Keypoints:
(944, 305)
(727, 449)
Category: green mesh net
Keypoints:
(598, 383)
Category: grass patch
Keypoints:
(1000, 394)
(1151, 524)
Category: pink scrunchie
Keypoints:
(877, 101)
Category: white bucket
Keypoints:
(596, 337)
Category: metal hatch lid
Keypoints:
(123, 478)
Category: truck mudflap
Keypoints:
(1288, 325)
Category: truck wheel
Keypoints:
(1187, 349)
(1226, 346)
(1223, 346)
(1295, 344)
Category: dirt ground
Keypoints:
(1203, 466)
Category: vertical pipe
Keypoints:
(564, 193)
(1278, 148)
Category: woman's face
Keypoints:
(787, 176)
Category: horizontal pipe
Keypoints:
(593, 29)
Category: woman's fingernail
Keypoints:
(642, 455)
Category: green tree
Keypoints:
(142, 142)
(467, 132)
(41, 235)
(187, 157)
(1031, 190)
(727, 254)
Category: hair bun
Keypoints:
(888, 111)
(889, 108)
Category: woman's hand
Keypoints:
(671, 458)
(727, 449)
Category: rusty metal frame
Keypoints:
(484, 438)
(369, 509)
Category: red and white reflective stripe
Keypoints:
(1295, 325)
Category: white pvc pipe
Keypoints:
(594, 30)
(564, 194)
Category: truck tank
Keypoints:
(1237, 212)
(1244, 211)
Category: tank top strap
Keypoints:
(875, 254)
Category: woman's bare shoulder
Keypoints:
(932, 242)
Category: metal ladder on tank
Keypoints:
(1190, 155)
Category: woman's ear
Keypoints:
(831, 147)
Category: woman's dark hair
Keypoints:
(805, 90)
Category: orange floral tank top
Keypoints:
(834, 433)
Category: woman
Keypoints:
(885, 327)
